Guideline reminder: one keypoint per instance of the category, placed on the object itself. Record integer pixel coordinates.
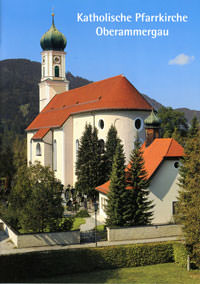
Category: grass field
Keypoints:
(77, 222)
(160, 273)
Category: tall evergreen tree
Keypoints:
(88, 165)
(110, 148)
(116, 202)
(188, 206)
(193, 130)
(139, 207)
(177, 136)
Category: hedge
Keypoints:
(27, 266)
(180, 254)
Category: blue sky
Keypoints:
(165, 68)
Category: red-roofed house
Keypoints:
(53, 136)
(161, 156)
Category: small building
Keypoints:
(162, 160)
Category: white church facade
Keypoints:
(53, 136)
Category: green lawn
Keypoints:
(160, 273)
(77, 222)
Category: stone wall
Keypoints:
(41, 239)
(144, 232)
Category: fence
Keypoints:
(90, 237)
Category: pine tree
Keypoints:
(188, 206)
(193, 130)
(177, 136)
(110, 148)
(116, 202)
(88, 166)
(138, 209)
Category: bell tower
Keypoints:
(53, 80)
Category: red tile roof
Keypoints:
(112, 93)
(153, 155)
(40, 133)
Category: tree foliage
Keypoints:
(35, 202)
(89, 169)
(110, 148)
(138, 207)
(188, 207)
(117, 195)
(172, 120)
(194, 128)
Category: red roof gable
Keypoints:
(40, 133)
(113, 93)
(153, 156)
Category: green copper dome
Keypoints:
(152, 121)
(53, 39)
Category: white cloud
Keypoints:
(181, 59)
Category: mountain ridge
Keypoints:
(19, 94)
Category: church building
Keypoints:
(53, 136)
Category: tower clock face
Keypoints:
(56, 59)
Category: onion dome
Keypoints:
(152, 121)
(53, 39)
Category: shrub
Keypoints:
(82, 214)
(180, 254)
(60, 225)
(19, 267)
(65, 224)
(196, 255)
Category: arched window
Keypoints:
(38, 150)
(56, 71)
(54, 155)
(31, 143)
(101, 124)
(138, 124)
(43, 71)
(77, 147)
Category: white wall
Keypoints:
(123, 121)
(145, 232)
(102, 202)
(163, 192)
(41, 239)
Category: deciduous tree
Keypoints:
(35, 202)
(171, 119)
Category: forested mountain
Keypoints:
(19, 94)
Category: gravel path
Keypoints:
(89, 224)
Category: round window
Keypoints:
(176, 165)
(138, 124)
(101, 123)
